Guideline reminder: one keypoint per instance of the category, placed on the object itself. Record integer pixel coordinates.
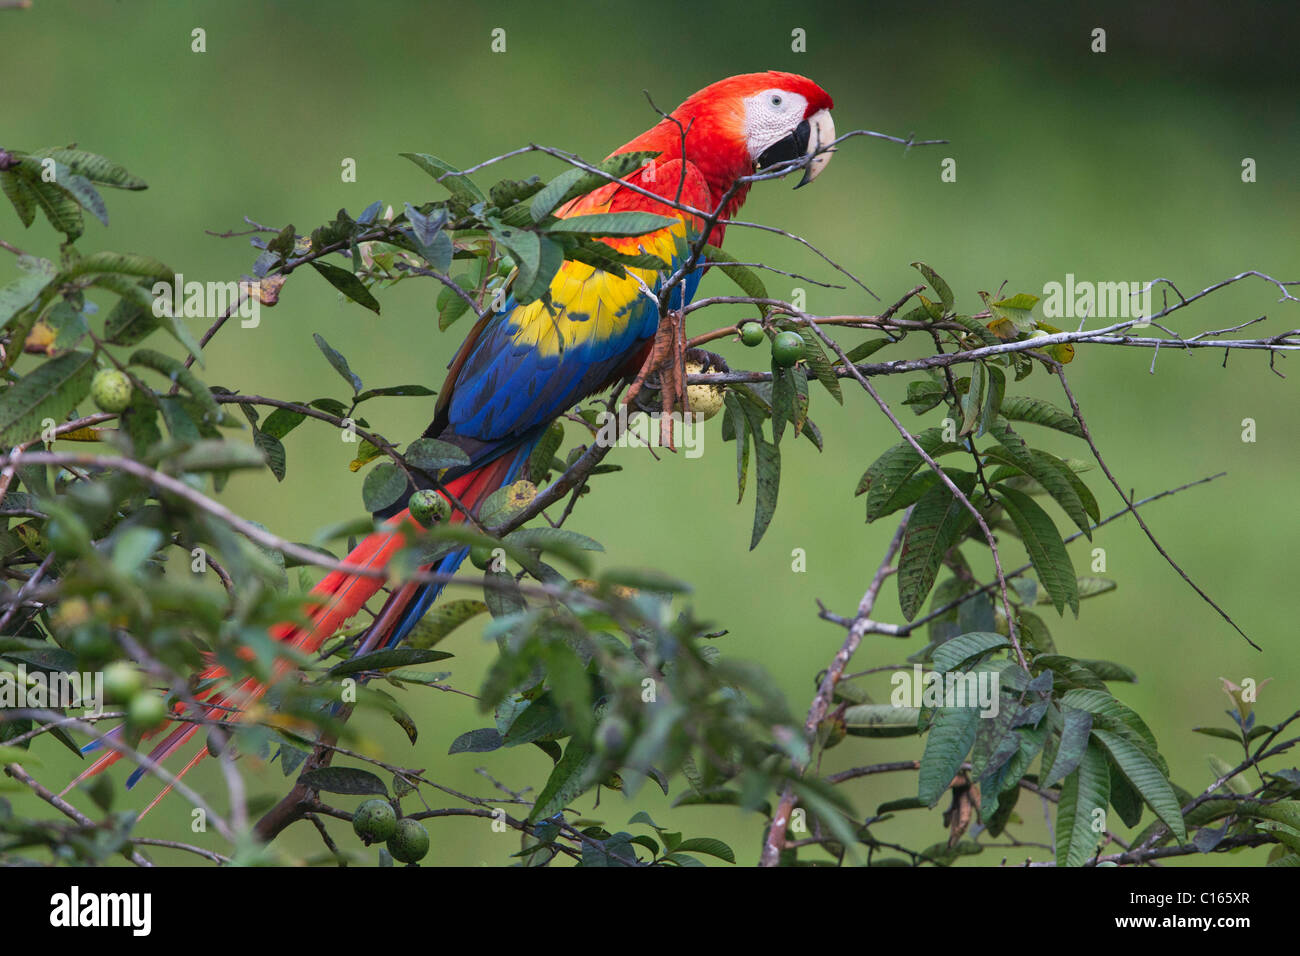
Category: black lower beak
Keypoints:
(791, 147)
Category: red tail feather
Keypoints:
(339, 596)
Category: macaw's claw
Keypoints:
(708, 361)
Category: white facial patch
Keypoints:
(770, 116)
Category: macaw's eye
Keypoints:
(776, 101)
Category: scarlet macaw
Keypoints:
(523, 366)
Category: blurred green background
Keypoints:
(1117, 166)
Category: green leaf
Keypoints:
(78, 187)
(1077, 726)
(20, 195)
(941, 288)
(347, 283)
(61, 209)
(937, 522)
(539, 461)
(383, 660)
(26, 289)
(1053, 474)
(176, 372)
(452, 306)
(946, 745)
(745, 278)
(384, 484)
(1102, 704)
(442, 619)
(560, 541)
(120, 263)
(870, 347)
(614, 224)
(977, 328)
(570, 778)
(274, 452)
(768, 474)
(1146, 778)
(282, 421)
(708, 846)
(884, 480)
(430, 454)
(217, 455)
(462, 187)
(881, 720)
(575, 182)
(395, 390)
(1045, 548)
(994, 393)
(337, 360)
(1022, 408)
(481, 741)
(96, 168)
(972, 402)
(952, 654)
(347, 780)
(1085, 791)
(51, 390)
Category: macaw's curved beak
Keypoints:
(812, 137)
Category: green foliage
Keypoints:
(605, 670)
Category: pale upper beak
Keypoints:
(822, 134)
(812, 137)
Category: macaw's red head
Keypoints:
(746, 123)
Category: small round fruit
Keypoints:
(375, 821)
(410, 843)
(428, 506)
(751, 333)
(111, 390)
(93, 643)
(122, 681)
(787, 349)
(706, 400)
(481, 556)
(145, 711)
